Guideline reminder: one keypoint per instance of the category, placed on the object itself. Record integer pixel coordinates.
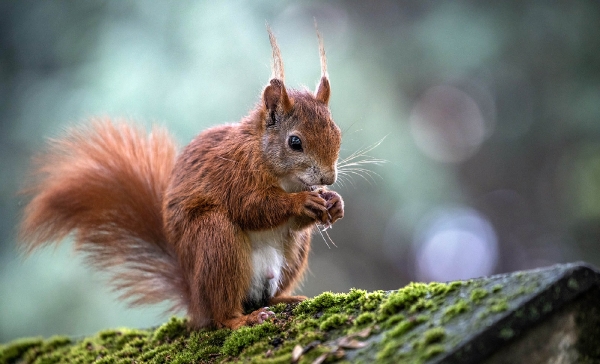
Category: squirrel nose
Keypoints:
(328, 179)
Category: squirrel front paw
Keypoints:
(334, 204)
(314, 206)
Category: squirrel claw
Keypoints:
(264, 314)
(327, 225)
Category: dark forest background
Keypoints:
(490, 114)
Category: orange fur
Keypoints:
(235, 207)
(106, 183)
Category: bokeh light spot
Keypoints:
(447, 124)
(455, 243)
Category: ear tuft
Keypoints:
(322, 55)
(277, 66)
(324, 89)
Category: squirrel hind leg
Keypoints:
(218, 261)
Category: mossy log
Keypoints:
(534, 316)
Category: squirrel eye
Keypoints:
(295, 143)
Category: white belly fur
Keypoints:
(267, 260)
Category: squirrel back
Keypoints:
(106, 183)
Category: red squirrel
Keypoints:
(221, 230)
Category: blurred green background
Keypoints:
(490, 113)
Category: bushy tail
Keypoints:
(105, 183)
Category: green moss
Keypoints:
(329, 302)
(403, 298)
(498, 305)
(211, 337)
(307, 324)
(322, 302)
(365, 318)
(18, 348)
(423, 304)
(355, 294)
(433, 350)
(393, 320)
(246, 336)
(459, 307)
(401, 328)
(453, 286)
(334, 321)
(371, 301)
(388, 351)
(259, 347)
(278, 308)
(167, 343)
(55, 342)
(434, 335)
(155, 354)
(478, 294)
(437, 288)
(422, 318)
(310, 336)
(169, 331)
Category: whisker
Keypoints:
(344, 175)
(344, 131)
(368, 172)
(362, 173)
(339, 181)
(362, 151)
(355, 171)
(353, 165)
(363, 177)
(366, 160)
(325, 240)
(342, 179)
(357, 153)
(330, 239)
(362, 162)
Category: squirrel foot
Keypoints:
(257, 317)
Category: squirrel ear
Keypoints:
(324, 90)
(275, 95)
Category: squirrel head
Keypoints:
(300, 139)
